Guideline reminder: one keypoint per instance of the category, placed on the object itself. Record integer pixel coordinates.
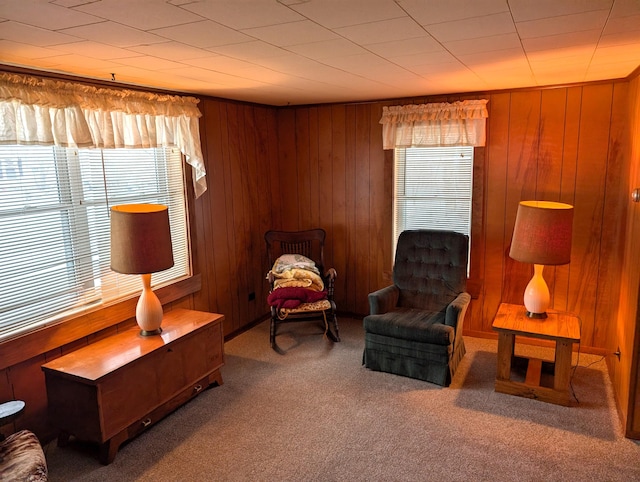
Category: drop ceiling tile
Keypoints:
(112, 33)
(565, 40)
(141, 14)
(205, 75)
(220, 63)
(397, 48)
(470, 28)
(396, 77)
(149, 63)
(255, 49)
(563, 24)
(293, 33)
(21, 53)
(127, 74)
(623, 24)
(569, 74)
(625, 53)
(242, 69)
(551, 59)
(496, 60)
(427, 58)
(505, 76)
(67, 61)
(203, 34)
(451, 69)
(524, 10)
(327, 48)
(69, 3)
(612, 70)
(463, 81)
(44, 14)
(19, 32)
(300, 67)
(483, 44)
(171, 50)
(334, 14)
(383, 31)
(619, 39)
(243, 14)
(358, 63)
(440, 11)
(624, 8)
(95, 50)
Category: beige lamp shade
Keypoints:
(542, 233)
(140, 239)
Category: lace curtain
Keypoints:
(435, 125)
(66, 114)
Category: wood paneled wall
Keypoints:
(239, 142)
(562, 144)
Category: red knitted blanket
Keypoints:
(288, 297)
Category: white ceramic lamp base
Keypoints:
(536, 295)
(148, 309)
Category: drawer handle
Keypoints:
(197, 388)
(146, 422)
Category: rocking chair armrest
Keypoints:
(329, 282)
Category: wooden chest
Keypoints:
(111, 390)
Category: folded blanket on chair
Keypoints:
(294, 297)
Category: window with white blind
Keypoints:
(433, 189)
(55, 227)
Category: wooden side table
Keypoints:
(546, 381)
(113, 389)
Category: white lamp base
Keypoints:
(148, 309)
(536, 295)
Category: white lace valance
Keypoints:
(50, 112)
(435, 125)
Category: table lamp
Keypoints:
(542, 236)
(141, 244)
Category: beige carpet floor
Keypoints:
(315, 414)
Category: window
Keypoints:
(433, 188)
(54, 227)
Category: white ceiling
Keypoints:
(281, 52)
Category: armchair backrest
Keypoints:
(430, 268)
(308, 243)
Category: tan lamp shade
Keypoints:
(542, 233)
(140, 239)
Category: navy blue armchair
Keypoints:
(414, 327)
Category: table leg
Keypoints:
(505, 355)
(562, 370)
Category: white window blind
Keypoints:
(433, 189)
(54, 227)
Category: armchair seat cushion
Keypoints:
(411, 324)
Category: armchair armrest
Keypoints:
(383, 300)
(456, 310)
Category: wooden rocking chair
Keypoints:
(310, 244)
